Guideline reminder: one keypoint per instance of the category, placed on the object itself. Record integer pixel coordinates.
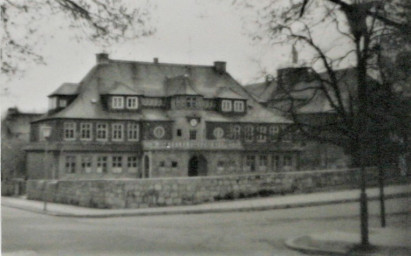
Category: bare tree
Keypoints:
(357, 120)
(25, 26)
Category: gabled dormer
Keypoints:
(121, 98)
(182, 94)
(63, 96)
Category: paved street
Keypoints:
(245, 233)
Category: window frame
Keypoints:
(226, 106)
(238, 106)
(90, 131)
(115, 132)
(86, 164)
(236, 132)
(191, 102)
(73, 130)
(132, 164)
(102, 162)
(99, 130)
(133, 129)
(249, 133)
(117, 102)
(192, 135)
(117, 164)
(70, 164)
(250, 162)
(132, 99)
(261, 133)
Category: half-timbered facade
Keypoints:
(130, 119)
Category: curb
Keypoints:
(202, 211)
(292, 244)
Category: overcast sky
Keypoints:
(188, 31)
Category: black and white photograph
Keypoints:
(205, 127)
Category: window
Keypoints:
(174, 164)
(62, 103)
(117, 133)
(101, 164)
(250, 162)
(218, 132)
(132, 164)
(44, 132)
(69, 130)
(193, 134)
(117, 102)
(86, 164)
(159, 132)
(275, 162)
(235, 132)
(117, 164)
(133, 132)
(226, 106)
(238, 106)
(132, 102)
(191, 102)
(179, 133)
(249, 133)
(101, 131)
(261, 133)
(288, 161)
(273, 131)
(85, 131)
(70, 164)
(262, 162)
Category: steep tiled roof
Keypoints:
(159, 80)
(66, 89)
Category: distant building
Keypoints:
(129, 119)
(296, 92)
(15, 134)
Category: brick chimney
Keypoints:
(219, 66)
(155, 60)
(102, 58)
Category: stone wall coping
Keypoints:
(218, 176)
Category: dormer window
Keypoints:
(226, 106)
(62, 103)
(238, 106)
(117, 102)
(191, 102)
(132, 103)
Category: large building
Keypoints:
(129, 119)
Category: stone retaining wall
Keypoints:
(139, 193)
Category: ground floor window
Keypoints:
(262, 162)
(250, 163)
(86, 164)
(275, 162)
(117, 164)
(101, 164)
(70, 164)
(132, 164)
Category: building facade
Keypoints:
(129, 119)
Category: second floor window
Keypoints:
(235, 132)
(85, 131)
(273, 132)
(132, 102)
(117, 132)
(69, 131)
(117, 102)
(101, 131)
(226, 106)
(133, 132)
(193, 134)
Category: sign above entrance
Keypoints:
(192, 145)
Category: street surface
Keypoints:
(242, 233)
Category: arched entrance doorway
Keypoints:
(197, 166)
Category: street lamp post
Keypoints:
(46, 130)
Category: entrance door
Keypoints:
(197, 166)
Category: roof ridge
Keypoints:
(160, 63)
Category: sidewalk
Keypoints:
(384, 241)
(269, 203)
